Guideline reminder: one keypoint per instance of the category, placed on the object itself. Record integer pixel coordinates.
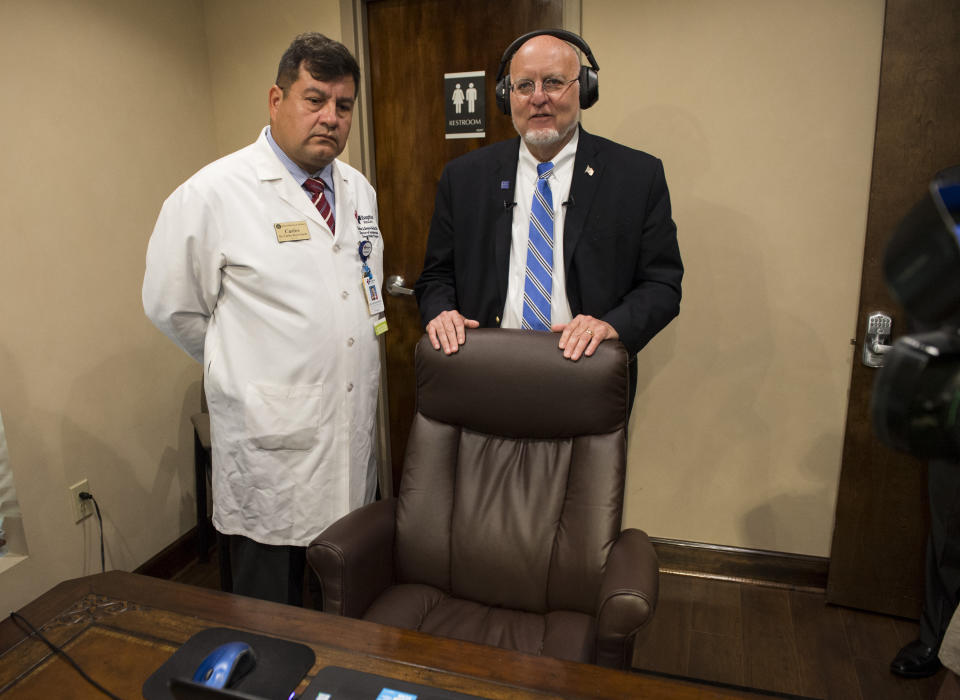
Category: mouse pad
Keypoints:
(337, 683)
(280, 664)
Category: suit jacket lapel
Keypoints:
(587, 171)
(504, 172)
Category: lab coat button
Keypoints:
(349, 342)
(344, 294)
(350, 387)
(336, 247)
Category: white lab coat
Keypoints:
(291, 361)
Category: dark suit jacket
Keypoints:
(619, 248)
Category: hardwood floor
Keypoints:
(758, 637)
(776, 639)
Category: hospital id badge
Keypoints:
(372, 294)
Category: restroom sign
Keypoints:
(464, 97)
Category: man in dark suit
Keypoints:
(941, 589)
(610, 267)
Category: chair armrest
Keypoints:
(628, 597)
(353, 558)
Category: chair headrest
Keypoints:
(517, 384)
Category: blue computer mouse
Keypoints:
(226, 665)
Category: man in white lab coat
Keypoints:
(271, 280)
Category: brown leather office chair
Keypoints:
(507, 527)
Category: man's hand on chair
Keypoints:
(448, 331)
(583, 335)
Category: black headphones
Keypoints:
(589, 85)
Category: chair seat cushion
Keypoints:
(561, 634)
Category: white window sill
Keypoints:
(8, 561)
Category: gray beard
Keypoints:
(545, 137)
(542, 137)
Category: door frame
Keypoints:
(355, 36)
(881, 515)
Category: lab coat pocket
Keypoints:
(283, 417)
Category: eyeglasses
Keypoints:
(551, 86)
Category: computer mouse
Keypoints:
(226, 665)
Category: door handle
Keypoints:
(875, 342)
(394, 286)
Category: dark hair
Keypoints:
(324, 58)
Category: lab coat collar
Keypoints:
(270, 170)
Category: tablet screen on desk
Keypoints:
(336, 683)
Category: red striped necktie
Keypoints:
(315, 187)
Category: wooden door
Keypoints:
(876, 562)
(412, 43)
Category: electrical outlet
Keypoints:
(81, 508)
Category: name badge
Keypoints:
(372, 295)
(292, 231)
(369, 282)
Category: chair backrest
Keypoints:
(512, 489)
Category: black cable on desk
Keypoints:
(20, 620)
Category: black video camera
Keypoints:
(916, 395)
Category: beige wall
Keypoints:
(110, 105)
(246, 39)
(763, 113)
(107, 108)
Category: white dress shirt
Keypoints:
(559, 181)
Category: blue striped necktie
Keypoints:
(538, 285)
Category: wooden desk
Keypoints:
(121, 627)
